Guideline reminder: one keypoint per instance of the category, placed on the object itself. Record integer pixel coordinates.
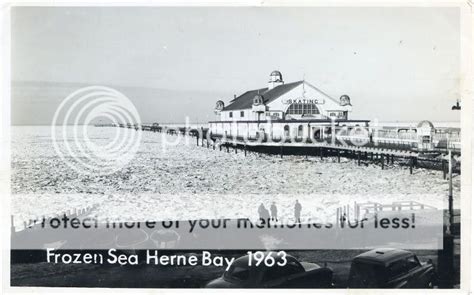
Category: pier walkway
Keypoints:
(381, 151)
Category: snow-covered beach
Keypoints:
(186, 181)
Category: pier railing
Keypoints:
(361, 210)
(378, 150)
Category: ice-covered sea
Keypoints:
(186, 181)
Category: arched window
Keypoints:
(302, 109)
(286, 131)
(300, 131)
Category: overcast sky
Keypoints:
(395, 63)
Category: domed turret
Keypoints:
(276, 76)
(258, 105)
(219, 107)
(276, 79)
(425, 124)
(345, 100)
(258, 100)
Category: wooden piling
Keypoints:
(358, 158)
(443, 166)
(338, 156)
(411, 165)
(391, 159)
(245, 150)
(382, 160)
(281, 151)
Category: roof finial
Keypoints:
(304, 91)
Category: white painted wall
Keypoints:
(328, 106)
(275, 110)
(325, 103)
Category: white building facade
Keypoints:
(292, 110)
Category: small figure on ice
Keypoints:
(263, 214)
(274, 211)
(298, 212)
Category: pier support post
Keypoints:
(391, 159)
(411, 165)
(321, 152)
(245, 150)
(338, 156)
(207, 143)
(382, 160)
(371, 156)
(235, 148)
(281, 151)
(443, 166)
(197, 140)
(358, 158)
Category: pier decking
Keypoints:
(381, 151)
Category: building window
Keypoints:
(286, 131)
(302, 109)
(230, 114)
(300, 131)
(332, 114)
(241, 113)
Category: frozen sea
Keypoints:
(186, 181)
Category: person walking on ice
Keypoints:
(263, 214)
(298, 212)
(274, 212)
(261, 211)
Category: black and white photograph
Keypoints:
(258, 146)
